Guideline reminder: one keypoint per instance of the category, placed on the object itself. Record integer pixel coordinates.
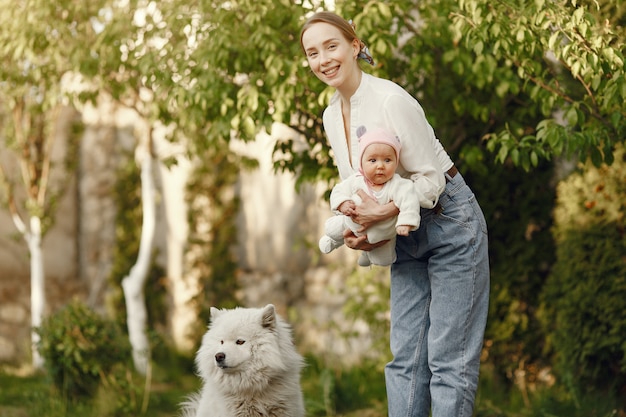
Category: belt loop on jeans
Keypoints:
(451, 173)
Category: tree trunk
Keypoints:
(37, 284)
(37, 281)
(134, 283)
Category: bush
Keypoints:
(585, 296)
(518, 209)
(80, 349)
(336, 390)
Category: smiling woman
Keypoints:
(440, 279)
(332, 51)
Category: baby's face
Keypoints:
(379, 163)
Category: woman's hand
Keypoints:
(369, 212)
(359, 242)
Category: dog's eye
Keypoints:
(240, 342)
(221, 342)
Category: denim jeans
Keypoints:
(439, 304)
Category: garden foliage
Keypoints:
(585, 297)
(80, 349)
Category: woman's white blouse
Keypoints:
(383, 103)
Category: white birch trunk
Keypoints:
(182, 287)
(37, 281)
(37, 286)
(134, 283)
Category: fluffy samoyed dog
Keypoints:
(249, 367)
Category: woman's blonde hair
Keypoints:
(331, 18)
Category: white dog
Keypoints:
(249, 367)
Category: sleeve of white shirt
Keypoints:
(418, 157)
(407, 202)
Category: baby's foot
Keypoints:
(327, 244)
(364, 260)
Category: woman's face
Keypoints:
(331, 56)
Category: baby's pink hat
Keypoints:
(377, 135)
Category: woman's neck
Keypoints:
(349, 87)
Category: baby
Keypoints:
(379, 155)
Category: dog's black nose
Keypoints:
(219, 357)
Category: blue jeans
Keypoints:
(439, 304)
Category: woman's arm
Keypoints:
(370, 212)
(419, 159)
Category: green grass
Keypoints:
(34, 396)
(343, 392)
(328, 392)
(497, 398)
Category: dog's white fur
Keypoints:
(249, 367)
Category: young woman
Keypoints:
(440, 279)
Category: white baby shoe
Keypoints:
(364, 260)
(327, 244)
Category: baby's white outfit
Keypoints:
(399, 190)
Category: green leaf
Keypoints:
(571, 116)
(595, 82)
(385, 10)
(534, 159)
(575, 68)
(478, 48)
(553, 39)
(515, 156)
(249, 127)
(502, 153)
(577, 16)
(596, 156)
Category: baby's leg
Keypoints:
(333, 237)
(384, 255)
(334, 227)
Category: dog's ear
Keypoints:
(268, 316)
(215, 313)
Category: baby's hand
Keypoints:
(403, 230)
(347, 207)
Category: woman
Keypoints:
(440, 280)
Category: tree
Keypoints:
(511, 68)
(134, 283)
(130, 67)
(569, 59)
(43, 44)
(159, 69)
(247, 73)
(31, 99)
(583, 302)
